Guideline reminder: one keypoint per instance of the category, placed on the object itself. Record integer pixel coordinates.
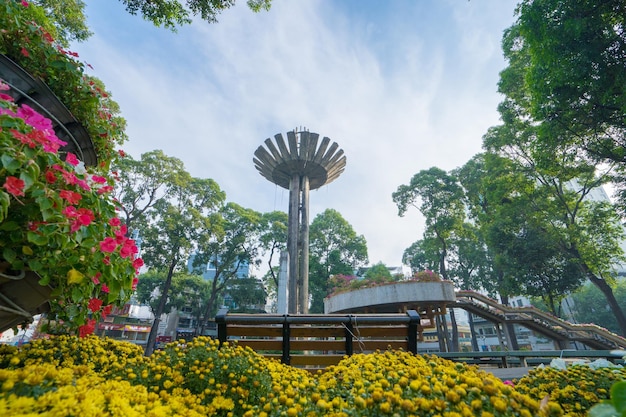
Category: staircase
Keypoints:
(595, 337)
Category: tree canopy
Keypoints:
(335, 248)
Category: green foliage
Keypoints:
(590, 305)
(246, 294)
(378, 271)
(173, 13)
(28, 39)
(335, 248)
(68, 18)
(615, 407)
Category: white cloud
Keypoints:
(399, 91)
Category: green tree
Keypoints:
(231, 240)
(589, 305)
(439, 197)
(274, 239)
(143, 183)
(575, 74)
(247, 295)
(378, 272)
(69, 19)
(172, 235)
(149, 288)
(560, 176)
(335, 248)
(173, 13)
(421, 255)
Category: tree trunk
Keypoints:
(610, 298)
(160, 308)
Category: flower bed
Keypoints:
(67, 375)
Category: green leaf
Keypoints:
(618, 396)
(77, 294)
(9, 226)
(37, 238)
(28, 179)
(9, 255)
(45, 203)
(44, 280)
(602, 410)
(5, 202)
(9, 163)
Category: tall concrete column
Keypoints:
(299, 165)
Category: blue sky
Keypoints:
(400, 85)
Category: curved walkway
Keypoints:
(594, 336)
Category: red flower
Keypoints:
(95, 304)
(85, 216)
(114, 222)
(121, 153)
(96, 278)
(50, 177)
(24, 52)
(14, 186)
(135, 281)
(138, 263)
(105, 288)
(108, 245)
(70, 196)
(107, 310)
(87, 329)
(70, 212)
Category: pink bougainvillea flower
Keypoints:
(107, 260)
(94, 304)
(69, 196)
(108, 245)
(114, 222)
(24, 52)
(14, 186)
(98, 179)
(83, 184)
(105, 189)
(105, 288)
(96, 278)
(71, 159)
(69, 177)
(135, 282)
(87, 329)
(25, 3)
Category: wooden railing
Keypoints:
(515, 358)
(535, 319)
(314, 341)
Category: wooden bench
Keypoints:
(315, 341)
